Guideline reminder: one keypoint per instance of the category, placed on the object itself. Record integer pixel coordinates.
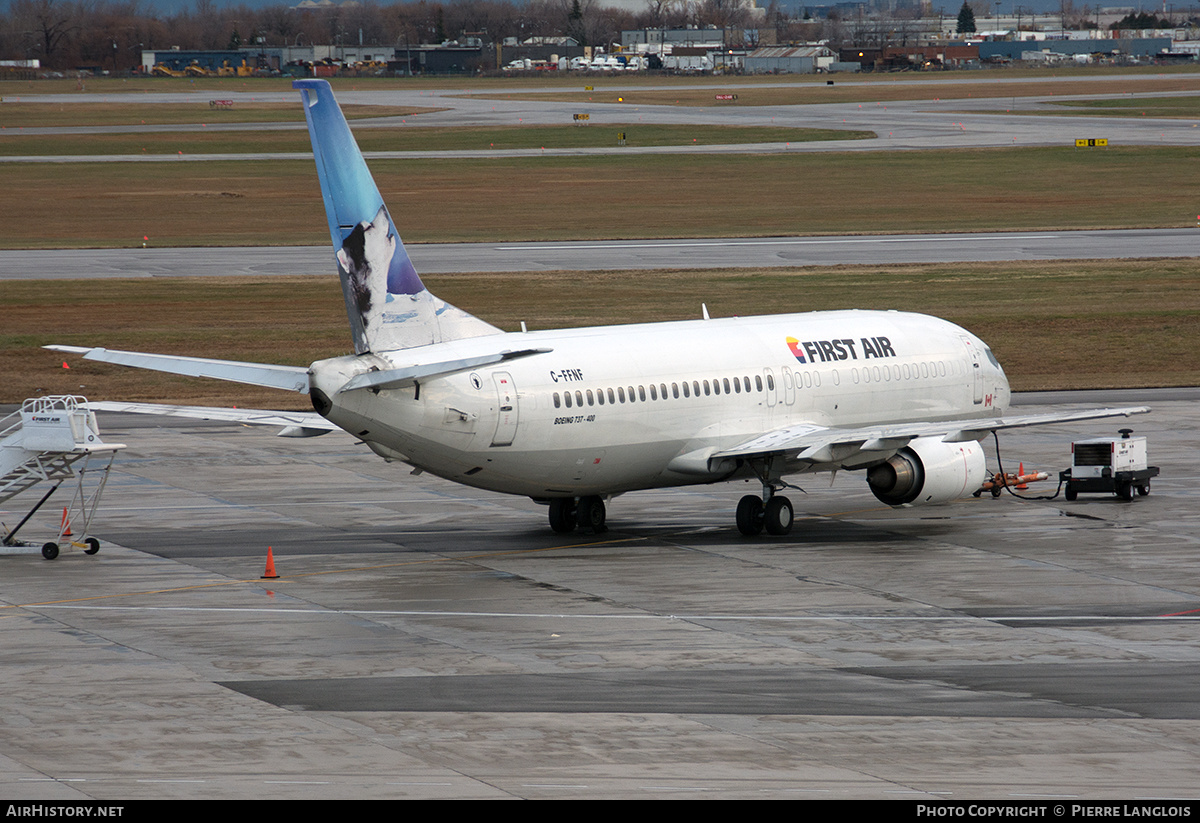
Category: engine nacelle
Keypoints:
(928, 471)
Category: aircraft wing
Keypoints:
(819, 444)
(293, 424)
(289, 378)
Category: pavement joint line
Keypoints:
(724, 618)
(259, 581)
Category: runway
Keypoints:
(427, 640)
(616, 255)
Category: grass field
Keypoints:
(555, 198)
(413, 138)
(129, 112)
(1089, 324)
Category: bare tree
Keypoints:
(50, 24)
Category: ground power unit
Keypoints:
(1109, 465)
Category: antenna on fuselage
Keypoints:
(704, 310)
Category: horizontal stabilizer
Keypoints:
(400, 378)
(289, 378)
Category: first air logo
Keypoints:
(824, 351)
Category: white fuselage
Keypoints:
(610, 408)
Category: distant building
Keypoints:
(791, 60)
(1142, 48)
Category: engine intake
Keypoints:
(928, 471)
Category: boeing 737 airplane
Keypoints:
(575, 417)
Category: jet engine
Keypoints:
(928, 470)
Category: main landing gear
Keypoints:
(588, 512)
(769, 511)
(753, 515)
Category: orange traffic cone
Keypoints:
(269, 574)
(66, 524)
(1021, 474)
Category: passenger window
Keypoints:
(653, 392)
(579, 399)
(557, 400)
(621, 393)
(567, 397)
(725, 381)
(612, 398)
(591, 398)
(600, 396)
(642, 393)
(707, 391)
(758, 382)
(675, 390)
(687, 392)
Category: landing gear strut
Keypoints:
(588, 512)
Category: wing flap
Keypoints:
(818, 444)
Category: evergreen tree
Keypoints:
(966, 19)
(575, 26)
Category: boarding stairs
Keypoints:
(55, 439)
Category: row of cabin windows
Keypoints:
(736, 385)
(632, 394)
(901, 371)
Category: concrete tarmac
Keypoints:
(428, 640)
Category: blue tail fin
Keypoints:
(388, 305)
